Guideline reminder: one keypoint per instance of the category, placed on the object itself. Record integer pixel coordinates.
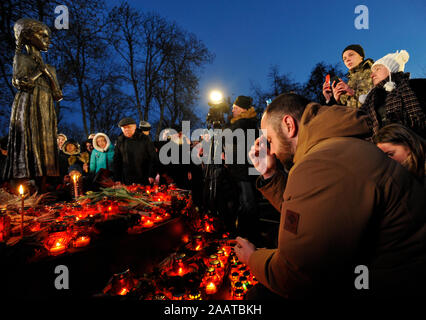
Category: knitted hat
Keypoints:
(355, 47)
(144, 125)
(243, 102)
(394, 62)
(126, 121)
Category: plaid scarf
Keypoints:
(401, 105)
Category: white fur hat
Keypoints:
(95, 143)
(394, 62)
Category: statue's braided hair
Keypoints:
(23, 28)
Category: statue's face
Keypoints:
(41, 39)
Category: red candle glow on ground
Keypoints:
(57, 244)
(180, 272)
(123, 292)
(148, 224)
(211, 288)
(81, 241)
(58, 247)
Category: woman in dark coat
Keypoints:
(32, 146)
(394, 99)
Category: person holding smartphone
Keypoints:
(336, 91)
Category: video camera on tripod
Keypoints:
(218, 107)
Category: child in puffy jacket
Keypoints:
(102, 155)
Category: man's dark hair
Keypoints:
(286, 103)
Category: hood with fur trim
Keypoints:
(75, 143)
(95, 144)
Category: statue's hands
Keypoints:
(24, 83)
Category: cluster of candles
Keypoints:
(221, 268)
(71, 213)
(59, 242)
(240, 277)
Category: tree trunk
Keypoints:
(83, 109)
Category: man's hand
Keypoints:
(151, 180)
(244, 249)
(326, 91)
(262, 159)
(342, 88)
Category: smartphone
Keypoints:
(335, 79)
(327, 80)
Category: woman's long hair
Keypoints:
(398, 134)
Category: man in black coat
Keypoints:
(134, 155)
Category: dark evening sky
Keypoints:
(249, 36)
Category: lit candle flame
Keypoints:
(21, 190)
(75, 178)
(123, 292)
(211, 288)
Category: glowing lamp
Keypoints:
(211, 288)
(123, 292)
(180, 271)
(216, 97)
(148, 223)
(81, 241)
(239, 294)
(194, 295)
(57, 245)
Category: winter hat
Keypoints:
(144, 125)
(355, 47)
(243, 102)
(95, 142)
(394, 62)
(75, 143)
(126, 121)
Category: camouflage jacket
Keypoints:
(360, 81)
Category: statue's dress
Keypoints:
(32, 146)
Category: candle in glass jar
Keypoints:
(81, 241)
(58, 247)
(211, 288)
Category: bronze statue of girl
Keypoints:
(32, 146)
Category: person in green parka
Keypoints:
(102, 155)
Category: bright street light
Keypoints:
(216, 97)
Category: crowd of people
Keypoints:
(348, 179)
